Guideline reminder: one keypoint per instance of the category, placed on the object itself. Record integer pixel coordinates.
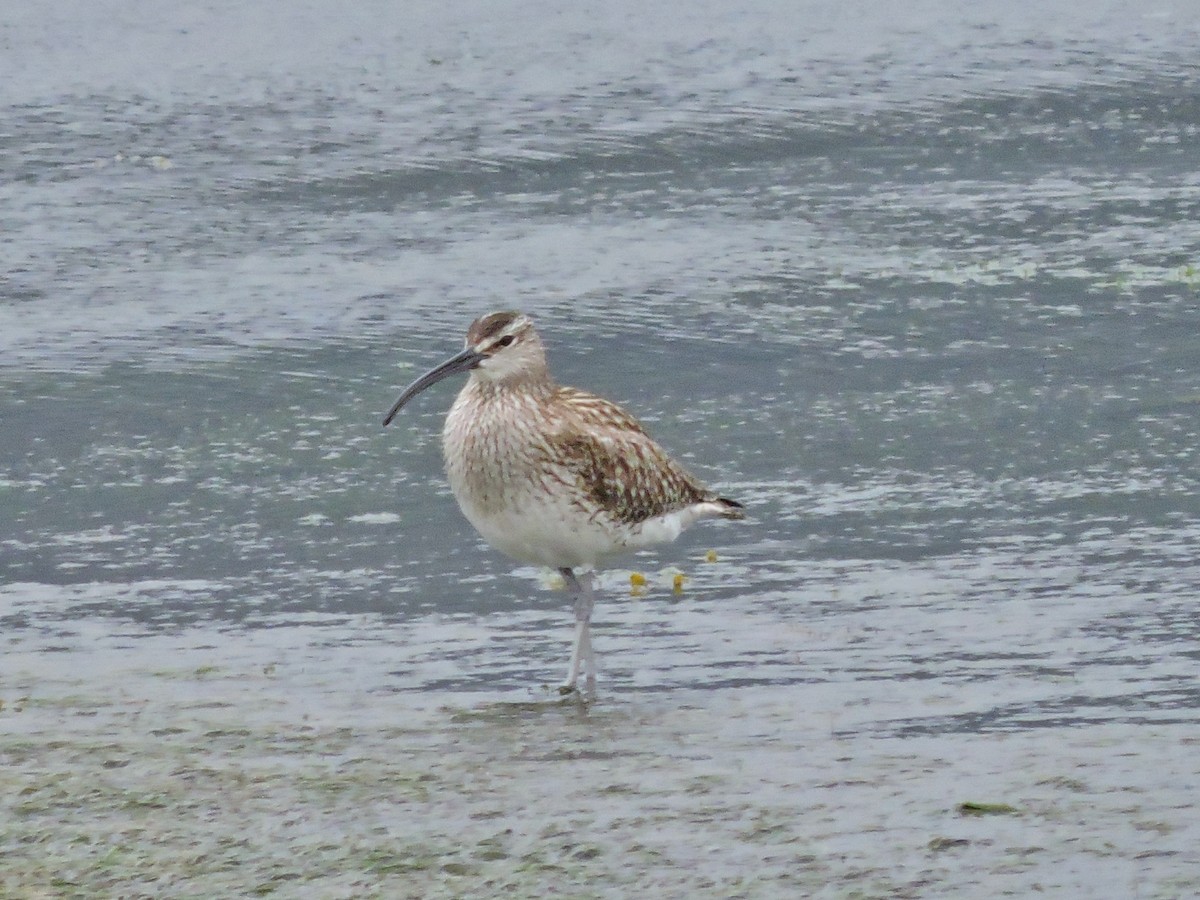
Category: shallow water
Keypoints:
(923, 291)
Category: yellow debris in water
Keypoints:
(637, 579)
(677, 582)
(710, 556)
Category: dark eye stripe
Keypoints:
(505, 341)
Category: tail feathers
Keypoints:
(731, 508)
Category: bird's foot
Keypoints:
(572, 689)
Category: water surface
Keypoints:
(921, 289)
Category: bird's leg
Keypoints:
(587, 599)
(576, 590)
(581, 653)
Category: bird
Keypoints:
(555, 476)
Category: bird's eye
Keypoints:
(504, 341)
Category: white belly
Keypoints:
(555, 532)
(552, 534)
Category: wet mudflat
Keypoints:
(263, 763)
(907, 733)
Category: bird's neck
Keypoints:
(488, 389)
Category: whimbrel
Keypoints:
(552, 475)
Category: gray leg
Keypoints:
(589, 657)
(581, 653)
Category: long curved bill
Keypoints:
(462, 362)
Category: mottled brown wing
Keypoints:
(616, 464)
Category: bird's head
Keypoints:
(506, 346)
(500, 347)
